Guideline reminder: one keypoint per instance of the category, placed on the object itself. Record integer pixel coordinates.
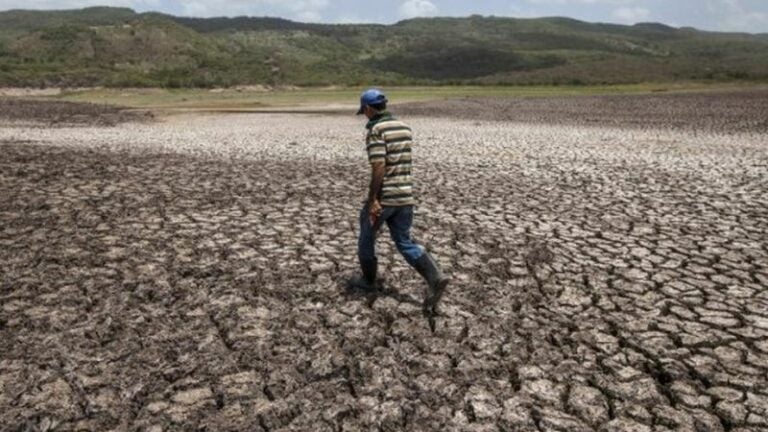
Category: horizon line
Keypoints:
(137, 12)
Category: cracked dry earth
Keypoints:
(189, 274)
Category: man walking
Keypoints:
(390, 199)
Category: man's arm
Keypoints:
(377, 154)
(377, 179)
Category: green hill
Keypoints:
(118, 47)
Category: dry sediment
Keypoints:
(743, 111)
(190, 274)
(31, 112)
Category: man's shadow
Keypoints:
(352, 292)
(381, 289)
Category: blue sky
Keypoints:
(719, 15)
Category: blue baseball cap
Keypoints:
(371, 96)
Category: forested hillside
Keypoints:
(118, 47)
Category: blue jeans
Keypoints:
(399, 220)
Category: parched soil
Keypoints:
(62, 113)
(190, 275)
(732, 111)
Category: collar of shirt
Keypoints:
(380, 117)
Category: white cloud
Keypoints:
(631, 15)
(352, 19)
(519, 12)
(567, 2)
(301, 10)
(737, 17)
(417, 8)
(309, 16)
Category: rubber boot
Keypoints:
(428, 269)
(367, 282)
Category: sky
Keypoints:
(717, 15)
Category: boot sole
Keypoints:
(430, 305)
(361, 286)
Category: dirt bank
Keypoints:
(725, 112)
(190, 275)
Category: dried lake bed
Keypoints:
(188, 272)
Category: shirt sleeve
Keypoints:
(376, 147)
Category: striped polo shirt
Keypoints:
(389, 140)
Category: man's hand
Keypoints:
(374, 211)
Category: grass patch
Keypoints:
(344, 98)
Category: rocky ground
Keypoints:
(16, 111)
(189, 274)
(713, 112)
